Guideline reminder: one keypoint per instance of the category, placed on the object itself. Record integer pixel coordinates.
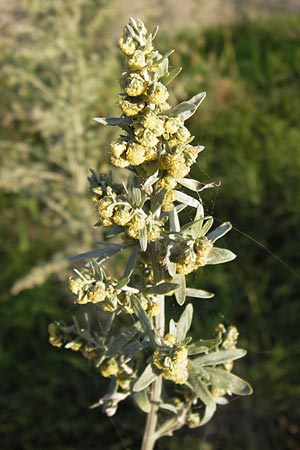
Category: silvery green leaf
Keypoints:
(184, 323)
(220, 255)
(168, 78)
(172, 327)
(100, 253)
(147, 185)
(164, 288)
(205, 396)
(199, 346)
(112, 120)
(147, 378)
(219, 232)
(169, 407)
(154, 33)
(131, 262)
(186, 199)
(142, 316)
(174, 220)
(196, 186)
(186, 109)
(142, 400)
(198, 293)
(122, 339)
(180, 293)
(116, 229)
(221, 400)
(218, 357)
(135, 196)
(206, 226)
(226, 380)
(122, 282)
(99, 360)
(143, 239)
(158, 200)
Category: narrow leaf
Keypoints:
(164, 288)
(186, 199)
(184, 322)
(205, 396)
(220, 231)
(142, 316)
(220, 256)
(180, 293)
(174, 220)
(218, 357)
(143, 239)
(131, 262)
(167, 79)
(198, 293)
(147, 378)
(142, 400)
(122, 339)
(112, 120)
(228, 381)
(195, 185)
(207, 344)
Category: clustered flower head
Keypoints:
(92, 285)
(190, 254)
(172, 360)
(154, 132)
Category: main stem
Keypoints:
(149, 438)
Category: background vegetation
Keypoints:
(58, 70)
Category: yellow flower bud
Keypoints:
(170, 339)
(118, 148)
(135, 85)
(109, 368)
(203, 250)
(131, 108)
(127, 46)
(135, 154)
(137, 60)
(158, 93)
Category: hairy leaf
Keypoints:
(184, 322)
(147, 378)
(228, 381)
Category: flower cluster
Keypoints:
(172, 360)
(154, 131)
(63, 336)
(92, 286)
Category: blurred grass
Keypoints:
(250, 127)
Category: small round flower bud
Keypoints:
(135, 154)
(76, 285)
(180, 354)
(119, 162)
(109, 368)
(127, 46)
(118, 148)
(158, 93)
(203, 249)
(172, 124)
(146, 137)
(131, 107)
(137, 60)
(170, 339)
(135, 85)
(182, 135)
(122, 215)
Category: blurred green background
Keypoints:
(59, 68)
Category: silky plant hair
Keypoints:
(123, 330)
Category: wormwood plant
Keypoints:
(174, 380)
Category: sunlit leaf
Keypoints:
(147, 378)
(184, 322)
(220, 255)
(228, 381)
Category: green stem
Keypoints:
(150, 437)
